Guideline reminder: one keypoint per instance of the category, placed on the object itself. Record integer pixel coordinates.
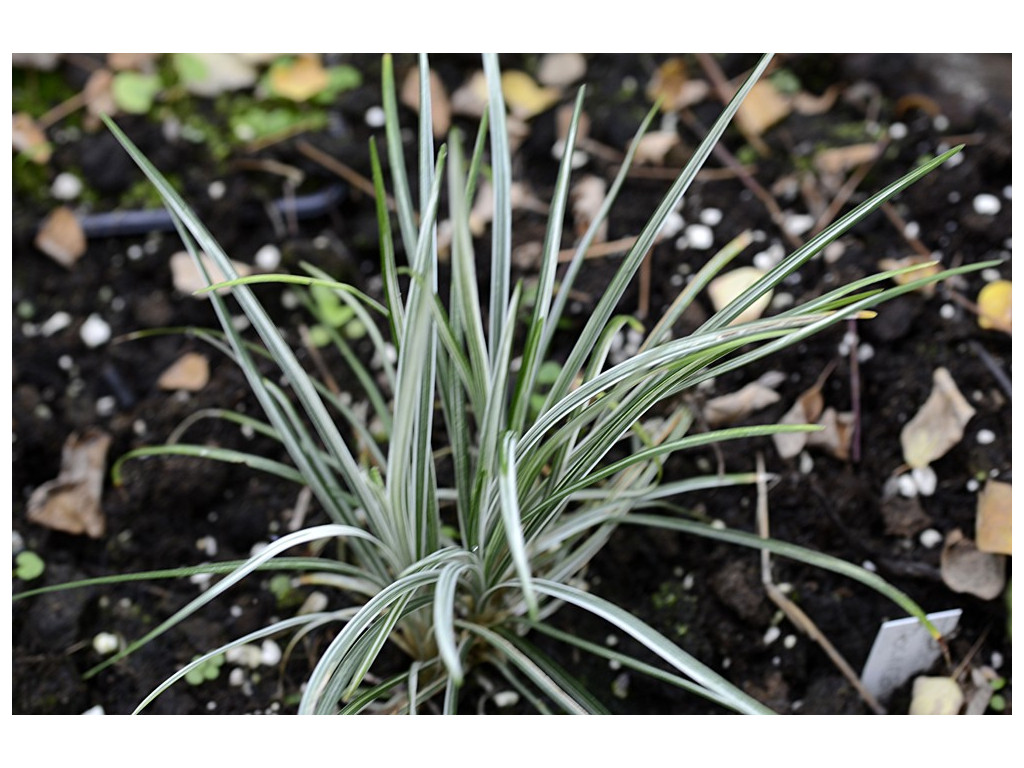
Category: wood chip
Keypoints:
(994, 518)
(939, 425)
(190, 372)
(61, 237)
(71, 502)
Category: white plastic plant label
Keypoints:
(902, 649)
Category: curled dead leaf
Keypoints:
(71, 502)
(732, 407)
(965, 568)
(300, 79)
(99, 95)
(806, 410)
(653, 147)
(806, 103)
(836, 434)
(440, 105)
(672, 84)
(190, 372)
(763, 108)
(839, 160)
(994, 518)
(61, 237)
(939, 425)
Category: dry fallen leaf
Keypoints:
(928, 267)
(470, 98)
(587, 197)
(210, 74)
(965, 568)
(726, 287)
(839, 160)
(524, 97)
(561, 69)
(994, 520)
(805, 103)
(763, 108)
(732, 407)
(188, 279)
(143, 62)
(441, 108)
(99, 95)
(836, 435)
(29, 138)
(806, 410)
(672, 84)
(61, 237)
(300, 79)
(935, 696)
(71, 502)
(654, 146)
(995, 306)
(190, 372)
(939, 425)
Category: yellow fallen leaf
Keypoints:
(29, 138)
(672, 84)
(763, 108)
(61, 237)
(936, 696)
(965, 568)
(728, 286)
(995, 306)
(189, 372)
(300, 79)
(994, 520)
(71, 502)
(926, 267)
(939, 425)
(524, 97)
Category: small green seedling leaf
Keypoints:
(134, 92)
(28, 566)
(208, 670)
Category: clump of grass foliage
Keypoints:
(458, 574)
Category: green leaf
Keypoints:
(134, 92)
(28, 565)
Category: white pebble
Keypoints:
(990, 275)
(105, 643)
(270, 653)
(789, 642)
(207, 545)
(769, 257)
(771, 635)
(997, 660)
(66, 186)
(1008, 192)
(867, 565)
(96, 710)
(135, 252)
(799, 223)
(700, 237)
(57, 322)
(897, 131)
(986, 436)
(374, 117)
(972, 485)
(268, 257)
(95, 331)
(505, 699)
(930, 538)
(673, 225)
(925, 479)
(947, 311)
(711, 216)
(987, 205)
(106, 405)
(865, 352)
(907, 486)
(806, 463)
(941, 123)
(913, 229)
(236, 679)
(216, 189)
(247, 655)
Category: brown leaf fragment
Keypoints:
(653, 147)
(61, 237)
(840, 160)
(965, 568)
(441, 107)
(71, 502)
(190, 372)
(927, 267)
(994, 521)
(904, 516)
(99, 95)
(188, 279)
(587, 196)
(939, 425)
(806, 410)
(470, 98)
(28, 137)
(301, 79)
(805, 103)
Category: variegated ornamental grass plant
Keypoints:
(463, 527)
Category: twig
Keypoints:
(851, 326)
(993, 367)
(337, 167)
(847, 190)
(610, 248)
(793, 612)
(725, 91)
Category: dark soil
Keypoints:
(707, 596)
